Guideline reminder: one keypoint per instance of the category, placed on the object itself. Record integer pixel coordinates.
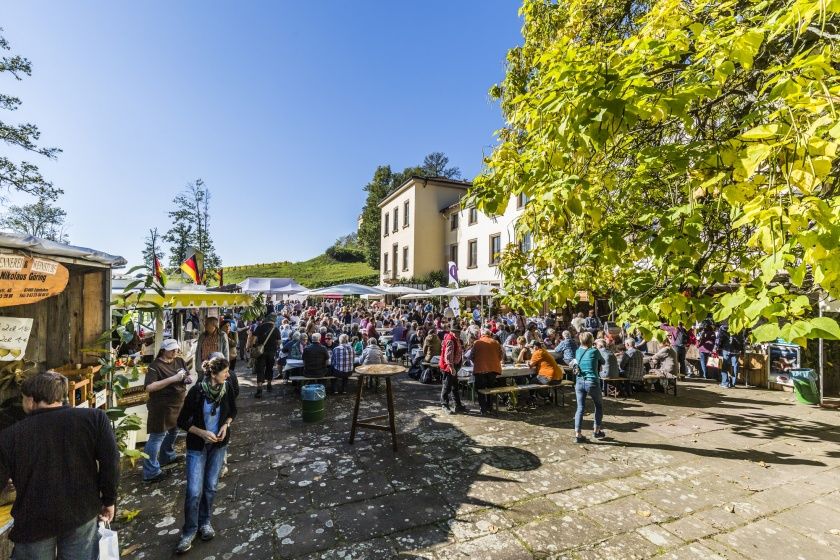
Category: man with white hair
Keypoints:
(315, 358)
(342, 362)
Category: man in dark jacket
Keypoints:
(267, 336)
(315, 358)
(64, 464)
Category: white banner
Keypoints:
(453, 273)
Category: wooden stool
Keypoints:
(376, 371)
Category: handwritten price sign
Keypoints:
(14, 336)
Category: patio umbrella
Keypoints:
(346, 290)
(440, 291)
(476, 290)
(402, 290)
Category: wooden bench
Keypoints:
(669, 381)
(513, 389)
(608, 381)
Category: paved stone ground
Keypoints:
(742, 473)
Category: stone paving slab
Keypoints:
(711, 474)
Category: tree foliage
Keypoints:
(383, 183)
(678, 156)
(41, 219)
(191, 227)
(22, 176)
(152, 248)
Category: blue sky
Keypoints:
(283, 108)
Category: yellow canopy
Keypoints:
(184, 300)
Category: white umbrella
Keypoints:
(440, 291)
(402, 290)
(270, 286)
(346, 290)
(476, 290)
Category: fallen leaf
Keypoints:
(835, 531)
(729, 507)
(494, 529)
(763, 464)
(644, 513)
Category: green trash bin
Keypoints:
(312, 402)
(805, 385)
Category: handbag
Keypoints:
(259, 349)
(713, 362)
(109, 546)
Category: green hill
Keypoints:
(314, 273)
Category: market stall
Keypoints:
(172, 303)
(54, 306)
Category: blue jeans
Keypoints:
(704, 358)
(592, 388)
(203, 468)
(159, 447)
(729, 369)
(81, 543)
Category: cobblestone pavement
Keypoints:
(713, 473)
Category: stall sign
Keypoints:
(26, 280)
(14, 336)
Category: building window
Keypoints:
(396, 218)
(495, 249)
(385, 229)
(453, 253)
(405, 258)
(405, 214)
(525, 243)
(453, 221)
(385, 263)
(472, 253)
(473, 216)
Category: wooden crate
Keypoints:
(81, 381)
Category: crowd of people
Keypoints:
(328, 340)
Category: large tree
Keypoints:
(191, 226)
(678, 156)
(41, 219)
(22, 176)
(384, 182)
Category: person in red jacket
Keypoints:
(451, 357)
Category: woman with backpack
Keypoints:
(589, 361)
(451, 358)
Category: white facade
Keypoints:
(420, 235)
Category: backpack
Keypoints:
(426, 376)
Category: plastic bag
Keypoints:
(313, 392)
(713, 362)
(109, 546)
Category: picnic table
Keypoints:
(376, 371)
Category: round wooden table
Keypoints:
(376, 370)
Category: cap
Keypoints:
(170, 344)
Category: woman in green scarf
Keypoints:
(208, 411)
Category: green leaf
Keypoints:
(761, 132)
(765, 332)
(824, 327)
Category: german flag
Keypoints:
(159, 272)
(194, 267)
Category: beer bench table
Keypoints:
(376, 371)
(668, 380)
(556, 389)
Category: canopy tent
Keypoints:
(276, 286)
(187, 299)
(340, 290)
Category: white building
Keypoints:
(424, 226)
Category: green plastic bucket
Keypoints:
(312, 402)
(805, 387)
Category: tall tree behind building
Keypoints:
(383, 183)
(22, 176)
(41, 219)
